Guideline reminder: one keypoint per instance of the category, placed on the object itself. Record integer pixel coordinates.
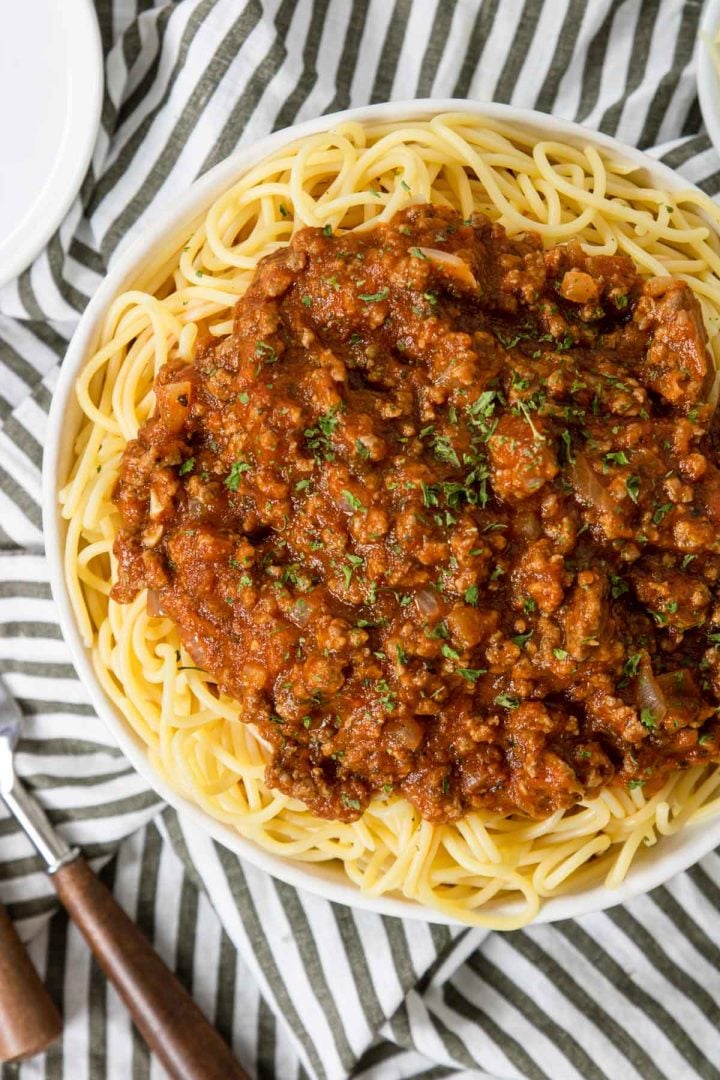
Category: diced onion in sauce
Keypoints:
(454, 266)
(173, 404)
(648, 692)
(588, 487)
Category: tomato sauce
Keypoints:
(442, 513)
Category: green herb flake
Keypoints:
(232, 480)
(353, 501)
(617, 457)
(449, 653)
(632, 486)
(660, 512)
(507, 701)
(471, 595)
(647, 719)
(187, 466)
(561, 654)
(265, 352)
(471, 675)
(372, 298)
(567, 442)
(630, 667)
(351, 804)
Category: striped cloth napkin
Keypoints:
(304, 988)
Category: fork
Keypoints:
(164, 1013)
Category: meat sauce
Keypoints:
(442, 514)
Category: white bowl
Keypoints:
(655, 865)
(708, 79)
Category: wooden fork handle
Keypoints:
(29, 1022)
(165, 1014)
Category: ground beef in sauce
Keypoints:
(442, 514)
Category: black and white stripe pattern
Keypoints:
(304, 988)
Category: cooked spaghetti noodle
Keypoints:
(349, 179)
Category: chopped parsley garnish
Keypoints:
(567, 442)
(647, 719)
(449, 653)
(352, 563)
(265, 352)
(243, 397)
(471, 595)
(371, 298)
(660, 512)
(507, 701)
(187, 466)
(445, 452)
(529, 605)
(631, 665)
(361, 449)
(351, 804)
(417, 253)
(561, 654)
(353, 501)
(632, 784)
(328, 229)
(617, 586)
(401, 655)
(617, 457)
(306, 300)
(621, 302)
(386, 695)
(232, 480)
(429, 494)
(471, 674)
(521, 640)
(632, 486)
(319, 437)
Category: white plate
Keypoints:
(708, 80)
(654, 865)
(51, 85)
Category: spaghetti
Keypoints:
(349, 179)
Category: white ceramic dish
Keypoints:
(708, 80)
(656, 865)
(51, 86)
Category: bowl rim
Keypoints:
(677, 852)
